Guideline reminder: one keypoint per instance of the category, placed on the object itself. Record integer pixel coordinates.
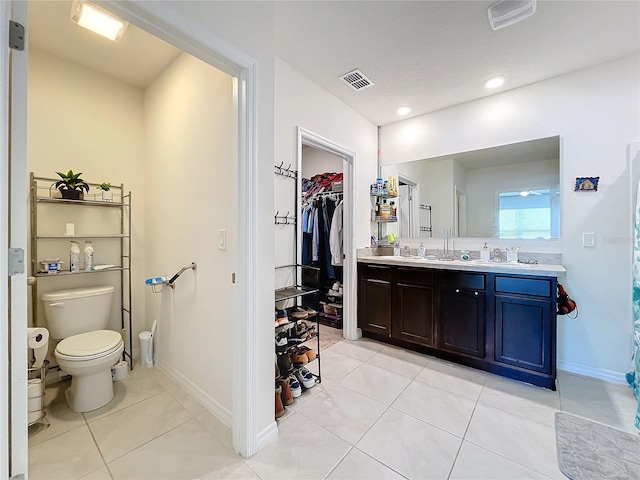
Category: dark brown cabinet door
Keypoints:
(523, 332)
(374, 305)
(413, 315)
(462, 321)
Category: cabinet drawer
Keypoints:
(461, 280)
(540, 287)
(371, 270)
(420, 276)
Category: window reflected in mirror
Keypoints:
(509, 191)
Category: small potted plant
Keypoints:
(107, 194)
(71, 186)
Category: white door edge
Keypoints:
(4, 242)
(350, 329)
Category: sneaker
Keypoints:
(305, 377)
(281, 343)
(310, 311)
(298, 313)
(294, 385)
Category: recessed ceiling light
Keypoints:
(403, 111)
(494, 82)
(97, 20)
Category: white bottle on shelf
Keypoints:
(74, 257)
(88, 255)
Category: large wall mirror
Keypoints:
(509, 191)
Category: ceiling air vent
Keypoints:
(356, 80)
(508, 12)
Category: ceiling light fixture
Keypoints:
(97, 20)
(494, 82)
(402, 111)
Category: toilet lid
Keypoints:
(90, 344)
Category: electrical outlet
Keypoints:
(588, 239)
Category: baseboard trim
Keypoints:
(211, 404)
(268, 434)
(599, 373)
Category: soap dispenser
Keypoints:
(485, 254)
(422, 252)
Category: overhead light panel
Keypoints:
(97, 20)
(402, 111)
(494, 82)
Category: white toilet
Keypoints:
(86, 351)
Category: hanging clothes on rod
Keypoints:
(318, 213)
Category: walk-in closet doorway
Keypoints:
(320, 145)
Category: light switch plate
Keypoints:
(222, 239)
(588, 239)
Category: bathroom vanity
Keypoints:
(496, 317)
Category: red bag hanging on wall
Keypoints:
(565, 304)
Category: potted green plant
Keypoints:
(71, 186)
(107, 195)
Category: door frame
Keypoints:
(350, 329)
(166, 23)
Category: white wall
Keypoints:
(249, 26)
(596, 112)
(302, 103)
(316, 161)
(191, 177)
(83, 120)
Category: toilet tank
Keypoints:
(80, 310)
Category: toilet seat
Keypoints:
(89, 345)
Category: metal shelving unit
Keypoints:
(42, 192)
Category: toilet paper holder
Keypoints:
(157, 284)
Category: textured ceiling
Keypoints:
(435, 54)
(426, 54)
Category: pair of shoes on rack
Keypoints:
(302, 355)
(305, 377)
(300, 313)
(281, 318)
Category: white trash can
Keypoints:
(146, 349)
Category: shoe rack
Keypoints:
(298, 331)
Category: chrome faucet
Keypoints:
(406, 251)
(497, 255)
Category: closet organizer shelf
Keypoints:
(294, 291)
(122, 232)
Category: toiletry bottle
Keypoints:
(393, 209)
(385, 210)
(379, 185)
(422, 252)
(74, 257)
(484, 253)
(377, 209)
(88, 255)
(396, 249)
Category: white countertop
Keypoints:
(471, 266)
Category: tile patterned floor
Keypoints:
(380, 413)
